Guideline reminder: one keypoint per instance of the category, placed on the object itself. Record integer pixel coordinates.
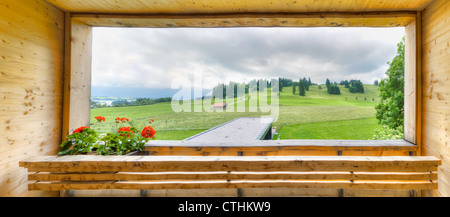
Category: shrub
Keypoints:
(387, 133)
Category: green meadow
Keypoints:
(318, 115)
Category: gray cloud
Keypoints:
(152, 58)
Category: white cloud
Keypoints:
(153, 57)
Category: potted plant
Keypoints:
(85, 140)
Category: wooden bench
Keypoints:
(52, 173)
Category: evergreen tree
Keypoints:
(280, 84)
(328, 83)
(334, 89)
(356, 86)
(259, 85)
(301, 88)
(285, 82)
(293, 89)
(337, 91)
(306, 84)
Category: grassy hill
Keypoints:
(318, 115)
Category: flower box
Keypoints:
(126, 140)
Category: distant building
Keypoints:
(219, 106)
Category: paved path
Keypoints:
(239, 129)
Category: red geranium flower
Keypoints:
(125, 129)
(79, 130)
(117, 119)
(100, 118)
(124, 119)
(148, 132)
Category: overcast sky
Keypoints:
(154, 57)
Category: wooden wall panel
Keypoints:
(31, 65)
(77, 76)
(436, 89)
(410, 81)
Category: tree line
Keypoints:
(223, 90)
(299, 87)
(137, 102)
(332, 88)
(354, 86)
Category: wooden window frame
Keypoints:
(78, 50)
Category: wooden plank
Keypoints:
(333, 19)
(376, 193)
(348, 145)
(278, 184)
(245, 192)
(267, 151)
(31, 65)
(287, 192)
(434, 26)
(410, 102)
(435, 88)
(229, 163)
(419, 86)
(128, 176)
(101, 193)
(155, 193)
(53, 186)
(413, 82)
(50, 186)
(45, 176)
(281, 147)
(79, 87)
(237, 6)
(65, 120)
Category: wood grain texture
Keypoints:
(410, 104)
(397, 144)
(91, 163)
(282, 148)
(236, 6)
(31, 67)
(136, 176)
(31, 53)
(436, 89)
(56, 186)
(79, 87)
(186, 172)
(335, 19)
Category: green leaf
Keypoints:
(65, 147)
